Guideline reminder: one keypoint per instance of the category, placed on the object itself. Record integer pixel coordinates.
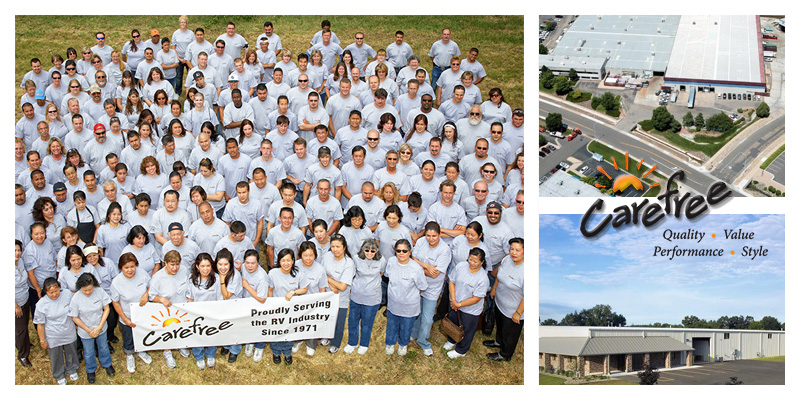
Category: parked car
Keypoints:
(658, 92)
(551, 147)
(545, 149)
(584, 169)
(570, 137)
(724, 96)
(553, 171)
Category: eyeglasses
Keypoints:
(100, 133)
(302, 80)
(475, 113)
(314, 100)
(493, 213)
(96, 62)
(369, 250)
(373, 138)
(402, 251)
(520, 201)
(479, 191)
(56, 77)
(71, 69)
(87, 52)
(101, 77)
(497, 131)
(135, 36)
(405, 152)
(427, 101)
(482, 148)
(518, 112)
(494, 95)
(220, 47)
(101, 38)
(74, 87)
(455, 63)
(392, 159)
(359, 38)
(489, 171)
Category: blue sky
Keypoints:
(618, 268)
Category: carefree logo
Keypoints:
(623, 181)
(653, 213)
(178, 329)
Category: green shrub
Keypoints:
(646, 125)
(771, 189)
(613, 113)
(740, 111)
(755, 182)
(777, 192)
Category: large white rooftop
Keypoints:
(717, 48)
(562, 184)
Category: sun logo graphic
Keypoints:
(169, 319)
(623, 181)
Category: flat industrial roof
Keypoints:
(635, 42)
(717, 49)
(579, 63)
(573, 346)
(562, 184)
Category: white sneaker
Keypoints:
(402, 350)
(389, 350)
(170, 360)
(145, 357)
(258, 354)
(362, 350)
(73, 376)
(333, 349)
(427, 352)
(201, 364)
(449, 346)
(296, 346)
(131, 363)
(324, 342)
(185, 353)
(349, 349)
(454, 354)
(211, 362)
(248, 350)
(62, 381)
(310, 351)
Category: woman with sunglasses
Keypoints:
(133, 51)
(76, 91)
(54, 94)
(365, 296)
(115, 69)
(496, 109)
(156, 82)
(488, 175)
(84, 64)
(448, 80)
(406, 282)
(406, 163)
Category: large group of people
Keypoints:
(278, 175)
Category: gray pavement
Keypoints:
(750, 372)
(778, 168)
(747, 150)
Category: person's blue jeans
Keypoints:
(174, 83)
(198, 352)
(435, 73)
(260, 345)
(365, 316)
(422, 325)
(398, 329)
(102, 352)
(179, 78)
(234, 348)
(341, 318)
(281, 347)
(127, 338)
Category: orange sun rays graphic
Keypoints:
(622, 182)
(168, 319)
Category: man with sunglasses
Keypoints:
(471, 164)
(95, 151)
(298, 97)
(496, 232)
(435, 117)
(220, 61)
(101, 49)
(500, 149)
(448, 214)
(515, 215)
(94, 107)
(476, 204)
(514, 130)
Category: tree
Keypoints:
(649, 376)
(675, 126)
(719, 123)
(543, 49)
(549, 26)
(699, 121)
(770, 323)
(553, 122)
(573, 75)
(608, 101)
(691, 321)
(575, 95)
(762, 111)
(547, 79)
(662, 119)
(563, 85)
(688, 119)
(599, 315)
(549, 322)
(542, 140)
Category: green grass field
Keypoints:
(772, 157)
(772, 359)
(499, 39)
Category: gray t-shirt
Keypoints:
(366, 288)
(470, 284)
(89, 310)
(59, 329)
(126, 291)
(343, 271)
(203, 291)
(405, 284)
(511, 288)
(282, 284)
(440, 257)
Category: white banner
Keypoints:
(240, 321)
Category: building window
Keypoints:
(769, 336)
(726, 335)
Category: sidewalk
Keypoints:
(576, 108)
(754, 171)
(731, 146)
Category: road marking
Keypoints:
(675, 373)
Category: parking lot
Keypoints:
(778, 168)
(750, 372)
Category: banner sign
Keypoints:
(240, 321)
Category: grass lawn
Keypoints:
(550, 380)
(772, 359)
(772, 157)
(498, 38)
(373, 368)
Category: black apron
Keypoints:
(85, 229)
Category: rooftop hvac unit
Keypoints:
(619, 42)
(715, 22)
(560, 183)
(694, 23)
(599, 17)
(625, 29)
(652, 53)
(578, 49)
(578, 191)
(659, 29)
(631, 19)
(663, 19)
(591, 28)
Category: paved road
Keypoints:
(697, 180)
(778, 168)
(747, 150)
(750, 372)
